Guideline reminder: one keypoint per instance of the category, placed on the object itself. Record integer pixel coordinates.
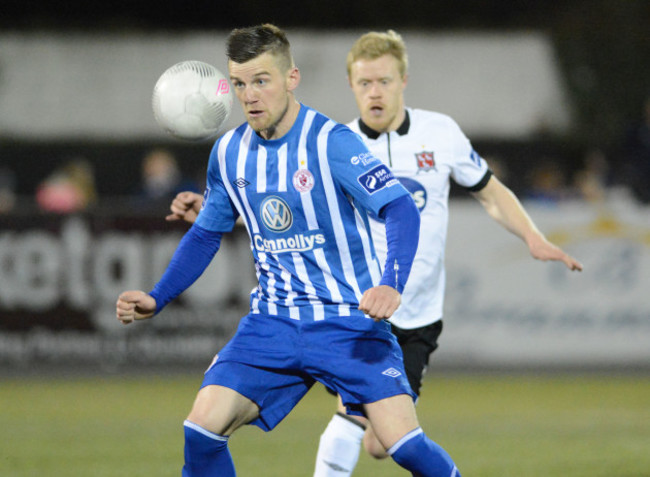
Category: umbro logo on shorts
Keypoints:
(392, 372)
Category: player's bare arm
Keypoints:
(504, 207)
(541, 249)
(380, 302)
(134, 305)
(185, 206)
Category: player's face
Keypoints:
(378, 88)
(264, 92)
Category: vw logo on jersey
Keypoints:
(276, 214)
(417, 191)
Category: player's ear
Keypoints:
(405, 80)
(293, 78)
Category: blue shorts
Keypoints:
(274, 361)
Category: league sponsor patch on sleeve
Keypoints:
(376, 179)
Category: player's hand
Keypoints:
(541, 249)
(185, 206)
(135, 305)
(380, 302)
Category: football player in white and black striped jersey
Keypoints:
(425, 150)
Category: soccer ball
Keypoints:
(192, 100)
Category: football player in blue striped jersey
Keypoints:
(305, 187)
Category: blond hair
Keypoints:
(375, 44)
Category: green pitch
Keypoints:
(519, 426)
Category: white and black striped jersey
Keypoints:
(424, 153)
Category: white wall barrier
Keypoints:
(79, 86)
(504, 308)
(59, 282)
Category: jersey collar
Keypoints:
(372, 134)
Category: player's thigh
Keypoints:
(222, 410)
(392, 418)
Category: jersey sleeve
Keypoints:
(468, 169)
(362, 175)
(218, 213)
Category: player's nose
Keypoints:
(249, 96)
(374, 91)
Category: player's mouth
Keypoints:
(376, 110)
(255, 113)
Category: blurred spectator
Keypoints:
(68, 189)
(547, 183)
(162, 178)
(7, 190)
(591, 181)
(636, 152)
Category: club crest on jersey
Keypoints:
(425, 160)
(303, 180)
(276, 214)
(376, 179)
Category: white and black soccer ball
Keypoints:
(192, 100)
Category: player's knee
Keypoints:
(222, 411)
(377, 452)
(373, 447)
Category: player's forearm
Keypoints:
(193, 255)
(506, 209)
(402, 235)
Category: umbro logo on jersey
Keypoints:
(476, 159)
(241, 182)
(206, 196)
(426, 160)
(276, 214)
(391, 372)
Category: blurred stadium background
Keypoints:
(550, 93)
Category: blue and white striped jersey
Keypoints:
(304, 199)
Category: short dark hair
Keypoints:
(245, 44)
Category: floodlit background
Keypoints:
(555, 96)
